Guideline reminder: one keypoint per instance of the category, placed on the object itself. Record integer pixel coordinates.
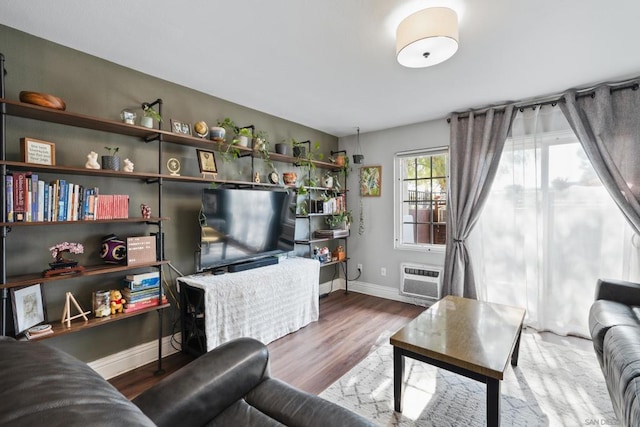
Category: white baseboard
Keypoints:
(384, 292)
(127, 360)
(124, 361)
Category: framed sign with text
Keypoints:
(37, 151)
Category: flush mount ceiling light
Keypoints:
(427, 37)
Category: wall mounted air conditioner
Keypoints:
(422, 281)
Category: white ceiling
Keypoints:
(330, 64)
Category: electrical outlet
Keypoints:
(360, 267)
(383, 271)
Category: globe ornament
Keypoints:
(114, 250)
(201, 129)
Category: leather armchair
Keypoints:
(229, 385)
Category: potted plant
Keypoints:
(243, 136)
(341, 160)
(307, 161)
(261, 144)
(282, 148)
(231, 150)
(111, 161)
(148, 116)
(340, 220)
(299, 150)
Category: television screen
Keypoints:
(244, 224)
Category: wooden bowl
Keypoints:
(42, 99)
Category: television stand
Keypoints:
(263, 303)
(262, 262)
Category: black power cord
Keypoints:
(335, 271)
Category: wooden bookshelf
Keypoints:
(78, 325)
(93, 270)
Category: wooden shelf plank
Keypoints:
(33, 278)
(67, 170)
(326, 264)
(152, 220)
(78, 325)
(30, 111)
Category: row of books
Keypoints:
(142, 291)
(30, 199)
(332, 205)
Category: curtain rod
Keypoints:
(553, 100)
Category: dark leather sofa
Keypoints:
(228, 386)
(614, 322)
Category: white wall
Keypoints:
(374, 248)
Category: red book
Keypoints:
(152, 302)
(20, 196)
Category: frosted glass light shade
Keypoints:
(427, 37)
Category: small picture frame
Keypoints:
(28, 307)
(37, 152)
(371, 181)
(180, 127)
(207, 163)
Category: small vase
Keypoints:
(146, 122)
(217, 133)
(282, 148)
(111, 163)
(243, 141)
(299, 151)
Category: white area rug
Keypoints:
(553, 385)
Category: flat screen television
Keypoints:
(239, 225)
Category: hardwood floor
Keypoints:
(315, 356)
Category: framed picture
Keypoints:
(37, 151)
(370, 181)
(28, 307)
(180, 127)
(207, 161)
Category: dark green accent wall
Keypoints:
(92, 86)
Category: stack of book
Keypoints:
(331, 234)
(38, 331)
(142, 291)
(30, 199)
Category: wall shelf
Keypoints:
(91, 270)
(78, 325)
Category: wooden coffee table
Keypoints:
(471, 338)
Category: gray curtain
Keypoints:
(477, 140)
(607, 123)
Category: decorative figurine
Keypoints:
(173, 165)
(61, 264)
(117, 302)
(145, 210)
(92, 161)
(128, 166)
(256, 177)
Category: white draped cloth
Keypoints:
(265, 303)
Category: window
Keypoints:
(421, 195)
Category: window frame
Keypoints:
(398, 198)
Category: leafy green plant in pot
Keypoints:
(148, 116)
(111, 161)
(230, 151)
(243, 137)
(261, 144)
(307, 162)
(340, 220)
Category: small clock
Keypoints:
(274, 178)
(173, 165)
